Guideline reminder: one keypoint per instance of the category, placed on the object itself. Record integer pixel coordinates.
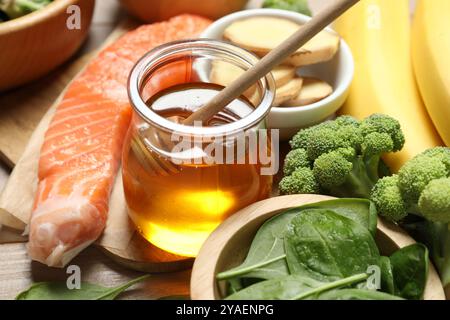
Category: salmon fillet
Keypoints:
(83, 144)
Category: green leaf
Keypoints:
(300, 6)
(328, 246)
(436, 236)
(387, 277)
(361, 211)
(266, 256)
(292, 287)
(88, 291)
(410, 270)
(357, 294)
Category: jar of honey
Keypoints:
(181, 181)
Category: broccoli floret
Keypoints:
(422, 187)
(345, 156)
(388, 199)
(301, 181)
(415, 175)
(382, 123)
(295, 159)
(300, 6)
(434, 202)
(332, 169)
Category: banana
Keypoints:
(431, 52)
(378, 32)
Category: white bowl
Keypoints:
(338, 72)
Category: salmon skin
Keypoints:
(81, 153)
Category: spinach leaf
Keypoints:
(436, 236)
(356, 294)
(361, 211)
(292, 287)
(410, 270)
(328, 246)
(266, 257)
(88, 291)
(387, 277)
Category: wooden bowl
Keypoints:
(228, 245)
(33, 45)
(157, 10)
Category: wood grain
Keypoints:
(228, 245)
(18, 272)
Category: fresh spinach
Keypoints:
(387, 277)
(410, 270)
(356, 294)
(361, 211)
(88, 291)
(266, 256)
(328, 246)
(292, 287)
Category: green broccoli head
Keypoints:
(382, 123)
(345, 154)
(417, 173)
(295, 159)
(422, 187)
(434, 202)
(332, 169)
(301, 181)
(377, 143)
(388, 199)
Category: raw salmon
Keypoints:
(83, 144)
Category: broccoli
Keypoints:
(344, 156)
(300, 6)
(422, 187)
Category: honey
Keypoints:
(176, 211)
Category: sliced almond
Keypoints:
(262, 34)
(224, 73)
(313, 90)
(288, 91)
(283, 74)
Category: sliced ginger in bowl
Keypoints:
(288, 91)
(262, 34)
(313, 90)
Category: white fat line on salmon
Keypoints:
(72, 142)
(83, 126)
(72, 207)
(60, 163)
(81, 115)
(66, 177)
(93, 104)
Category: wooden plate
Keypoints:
(228, 245)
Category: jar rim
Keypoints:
(141, 70)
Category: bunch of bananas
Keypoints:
(401, 70)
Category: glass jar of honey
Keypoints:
(181, 181)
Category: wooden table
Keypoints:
(17, 272)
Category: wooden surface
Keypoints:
(17, 273)
(20, 112)
(228, 245)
